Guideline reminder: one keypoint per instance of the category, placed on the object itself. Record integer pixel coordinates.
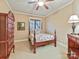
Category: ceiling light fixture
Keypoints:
(33, 0)
(40, 3)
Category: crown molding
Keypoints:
(52, 12)
(8, 5)
(24, 13)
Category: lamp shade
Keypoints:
(73, 19)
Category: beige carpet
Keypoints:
(22, 51)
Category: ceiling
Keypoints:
(24, 7)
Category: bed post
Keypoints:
(29, 37)
(34, 47)
(55, 38)
(69, 52)
(29, 32)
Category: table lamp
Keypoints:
(73, 20)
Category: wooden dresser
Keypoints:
(6, 34)
(73, 46)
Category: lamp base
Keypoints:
(73, 28)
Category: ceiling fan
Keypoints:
(39, 3)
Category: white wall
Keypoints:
(76, 6)
(76, 10)
(18, 34)
(3, 7)
(23, 35)
(59, 21)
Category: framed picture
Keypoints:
(20, 25)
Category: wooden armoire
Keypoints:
(6, 34)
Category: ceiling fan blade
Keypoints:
(37, 7)
(46, 6)
(30, 2)
(35, 1)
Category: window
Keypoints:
(35, 25)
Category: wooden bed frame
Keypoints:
(43, 43)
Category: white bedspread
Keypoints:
(43, 37)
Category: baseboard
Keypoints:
(59, 43)
(17, 40)
(63, 45)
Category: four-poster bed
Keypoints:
(40, 39)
